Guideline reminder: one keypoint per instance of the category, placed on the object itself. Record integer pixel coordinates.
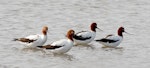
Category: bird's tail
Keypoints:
(15, 39)
(44, 46)
(40, 46)
(49, 47)
(98, 40)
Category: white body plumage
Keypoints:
(34, 40)
(118, 40)
(90, 35)
(66, 45)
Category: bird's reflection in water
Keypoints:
(29, 49)
(89, 46)
(118, 50)
(49, 53)
(64, 56)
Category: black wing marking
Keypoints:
(107, 40)
(81, 32)
(109, 35)
(79, 37)
(49, 47)
(24, 40)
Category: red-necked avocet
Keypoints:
(112, 40)
(61, 46)
(85, 37)
(34, 40)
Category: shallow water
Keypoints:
(20, 18)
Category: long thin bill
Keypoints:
(99, 29)
(128, 33)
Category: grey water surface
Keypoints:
(20, 18)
